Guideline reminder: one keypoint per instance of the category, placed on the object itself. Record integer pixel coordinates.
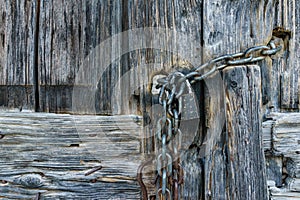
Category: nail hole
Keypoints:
(93, 170)
(92, 135)
(1, 136)
(3, 181)
(74, 145)
(93, 180)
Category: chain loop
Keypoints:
(169, 171)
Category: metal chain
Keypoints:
(168, 134)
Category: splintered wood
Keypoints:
(281, 135)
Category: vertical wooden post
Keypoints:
(245, 164)
(228, 28)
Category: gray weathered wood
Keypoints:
(245, 163)
(287, 18)
(229, 27)
(17, 47)
(274, 169)
(51, 155)
(283, 164)
(266, 134)
(44, 43)
(68, 31)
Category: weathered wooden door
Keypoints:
(99, 61)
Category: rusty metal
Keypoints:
(93, 170)
(175, 189)
(140, 178)
(154, 181)
(181, 175)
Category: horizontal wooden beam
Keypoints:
(70, 157)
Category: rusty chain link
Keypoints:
(170, 174)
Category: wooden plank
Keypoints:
(294, 185)
(282, 194)
(71, 55)
(274, 166)
(60, 52)
(287, 20)
(246, 162)
(58, 156)
(284, 133)
(283, 164)
(285, 138)
(17, 48)
(267, 134)
(3, 46)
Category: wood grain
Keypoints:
(246, 163)
(283, 164)
(68, 31)
(287, 18)
(17, 47)
(55, 155)
(43, 44)
(230, 27)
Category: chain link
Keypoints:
(170, 174)
(251, 55)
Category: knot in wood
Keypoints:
(233, 84)
(30, 180)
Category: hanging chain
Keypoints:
(170, 175)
